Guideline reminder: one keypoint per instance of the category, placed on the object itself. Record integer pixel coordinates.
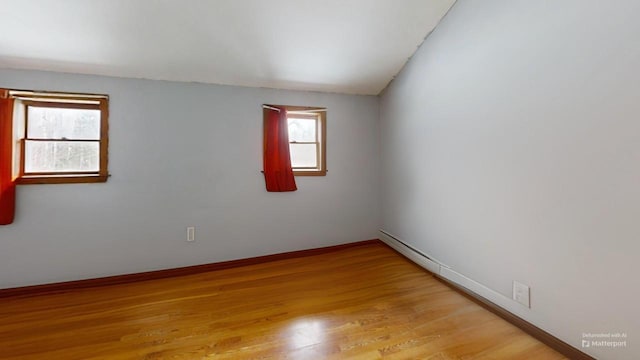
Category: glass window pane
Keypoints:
(302, 130)
(61, 156)
(62, 123)
(303, 155)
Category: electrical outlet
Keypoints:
(521, 294)
(191, 233)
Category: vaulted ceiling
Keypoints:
(344, 46)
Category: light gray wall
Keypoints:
(189, 154)
(511, 151)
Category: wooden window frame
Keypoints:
(65, 101)
(320, 115)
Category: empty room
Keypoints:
(338, 179)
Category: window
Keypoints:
(60, 137)
(307, 140)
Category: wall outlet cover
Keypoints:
(521, 294)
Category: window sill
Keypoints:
(310, 173)
(61, 179)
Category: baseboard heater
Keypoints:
(486, 297)
(444, 271)
(411, 253)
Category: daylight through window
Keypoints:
(60, 138)
(307, 139)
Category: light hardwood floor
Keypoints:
(364, 302)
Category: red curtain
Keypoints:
(7, 185)
(277, 160)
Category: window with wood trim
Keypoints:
(60, 137)
(307, 140)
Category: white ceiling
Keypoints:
(345, 46)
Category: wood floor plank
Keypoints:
(363, 302)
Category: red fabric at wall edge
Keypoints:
(7, 184)
(278, 174)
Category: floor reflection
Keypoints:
(305, 332)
